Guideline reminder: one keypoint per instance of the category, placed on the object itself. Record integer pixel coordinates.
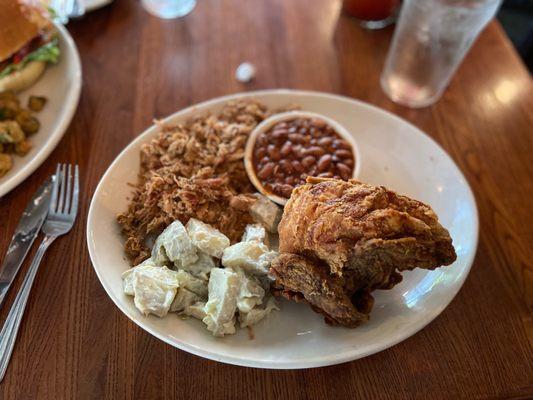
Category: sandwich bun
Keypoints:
(20, 80)
(18, 25)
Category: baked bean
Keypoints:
(342, 153)
(286, 166)
(290, 180)
(286, 190)
(319, 123)
(262, 140)
(341, 144)
(260, 153)
(344, 171)
(286, 149)
(266, 171)
(308, 161)
(324, 162)
(297, 150)
(295, 137)
(273, 152)
(290, 151)
(280, 133)
(297, 166)
(282, 189)
(314, 151)
(325, 141)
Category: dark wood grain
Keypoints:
(75, 344)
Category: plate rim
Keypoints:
(96, 4)
(320, 361)
(70, 106)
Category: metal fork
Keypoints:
(60, 219)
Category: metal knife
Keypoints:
(27, 230)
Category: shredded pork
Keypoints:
(193, 170)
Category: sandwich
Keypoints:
(28, 41)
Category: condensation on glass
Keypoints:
(430, 41)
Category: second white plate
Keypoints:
(395, 154)
(91, 5)
(61, 85)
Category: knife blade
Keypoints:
(27, 230)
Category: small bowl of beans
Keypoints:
(286, 148)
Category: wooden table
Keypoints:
(74, 343)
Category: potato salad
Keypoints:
(194, 271)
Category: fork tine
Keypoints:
(69, 189)
(61, 190)
(53, 201)
(75, 195)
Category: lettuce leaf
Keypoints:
(47, 53)
(52, 12)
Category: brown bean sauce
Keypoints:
(290, 151)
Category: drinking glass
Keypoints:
(430, 41)
(169, 8)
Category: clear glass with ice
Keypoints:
(430, 41)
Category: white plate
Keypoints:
(61, 85)
(393, 153)
(91, 5)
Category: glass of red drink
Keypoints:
(372, 14)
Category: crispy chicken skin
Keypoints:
(300, 279)
(341, 240)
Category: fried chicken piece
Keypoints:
(341, 240)
(322, 290)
